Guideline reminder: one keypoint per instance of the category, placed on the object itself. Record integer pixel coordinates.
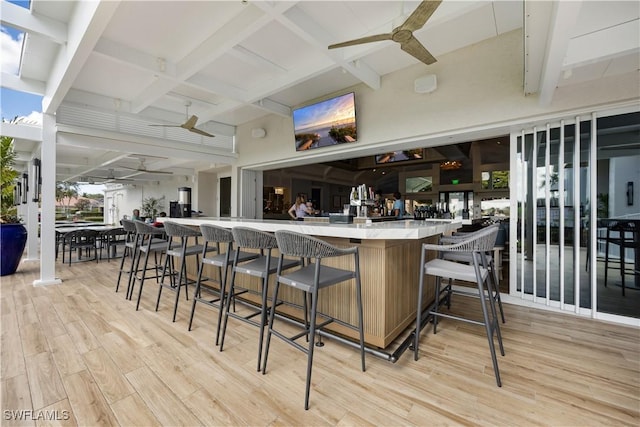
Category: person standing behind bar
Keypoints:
(398, 205)
(311, 210)
(298, 210)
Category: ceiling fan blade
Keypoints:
(362, 40)
(414, 48)
(159, 172)
(189, 124)
(201, 132)
(110, 178)
(419, 17)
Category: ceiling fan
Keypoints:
(403, 34)
(110, 177)
(143, 168)
(189, 124)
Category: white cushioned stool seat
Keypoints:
(454, 270)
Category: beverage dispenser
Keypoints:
(174, 209)
(184, 201)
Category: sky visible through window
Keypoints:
(21, 104)
(13, 103)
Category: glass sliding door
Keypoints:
(552, 198)
(577, 217)
(617, 245)
(567, 250)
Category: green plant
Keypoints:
(603, 205)
(8, 212)
(83, 204)
(151, 206)
(65, 191)
(343, 134)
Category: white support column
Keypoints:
(248, 203)
(236, 176)
(48, 219)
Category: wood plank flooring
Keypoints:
(79, 354)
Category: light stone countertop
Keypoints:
(388, 230)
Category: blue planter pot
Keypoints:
(13, 238)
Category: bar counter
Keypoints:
(389, 265)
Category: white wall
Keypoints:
(623, 170)
(479, 89)
(126, 198)
(206, 199)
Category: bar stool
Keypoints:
(130, 245)
(628, 237)
(466, 257)
(476, 244)
(215, 235)
(310, 279)
(182, 251)
(150, 240)
(262, 267)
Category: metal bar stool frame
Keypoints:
(477, 245)
(150, 240)
(215, 235)
(466, 257)
(624, 241)
(129, 251)
(182, 250)
(310, 279)
(262, 267)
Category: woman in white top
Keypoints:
(298, 210)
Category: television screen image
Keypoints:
(325, 123)
(399, 156)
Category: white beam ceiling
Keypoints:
(283, 45)
(33, 23)
(562, 26)
(85, 28)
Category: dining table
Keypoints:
(63, 228)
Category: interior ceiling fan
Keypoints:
(143, 168)
(189, 124)
(403, 34)
(110, 177)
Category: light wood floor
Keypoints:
(81, 348)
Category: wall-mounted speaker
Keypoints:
(258, 133)
(425, 84)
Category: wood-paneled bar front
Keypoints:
(389, 265)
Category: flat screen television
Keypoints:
(399, 156)
(326, 123)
